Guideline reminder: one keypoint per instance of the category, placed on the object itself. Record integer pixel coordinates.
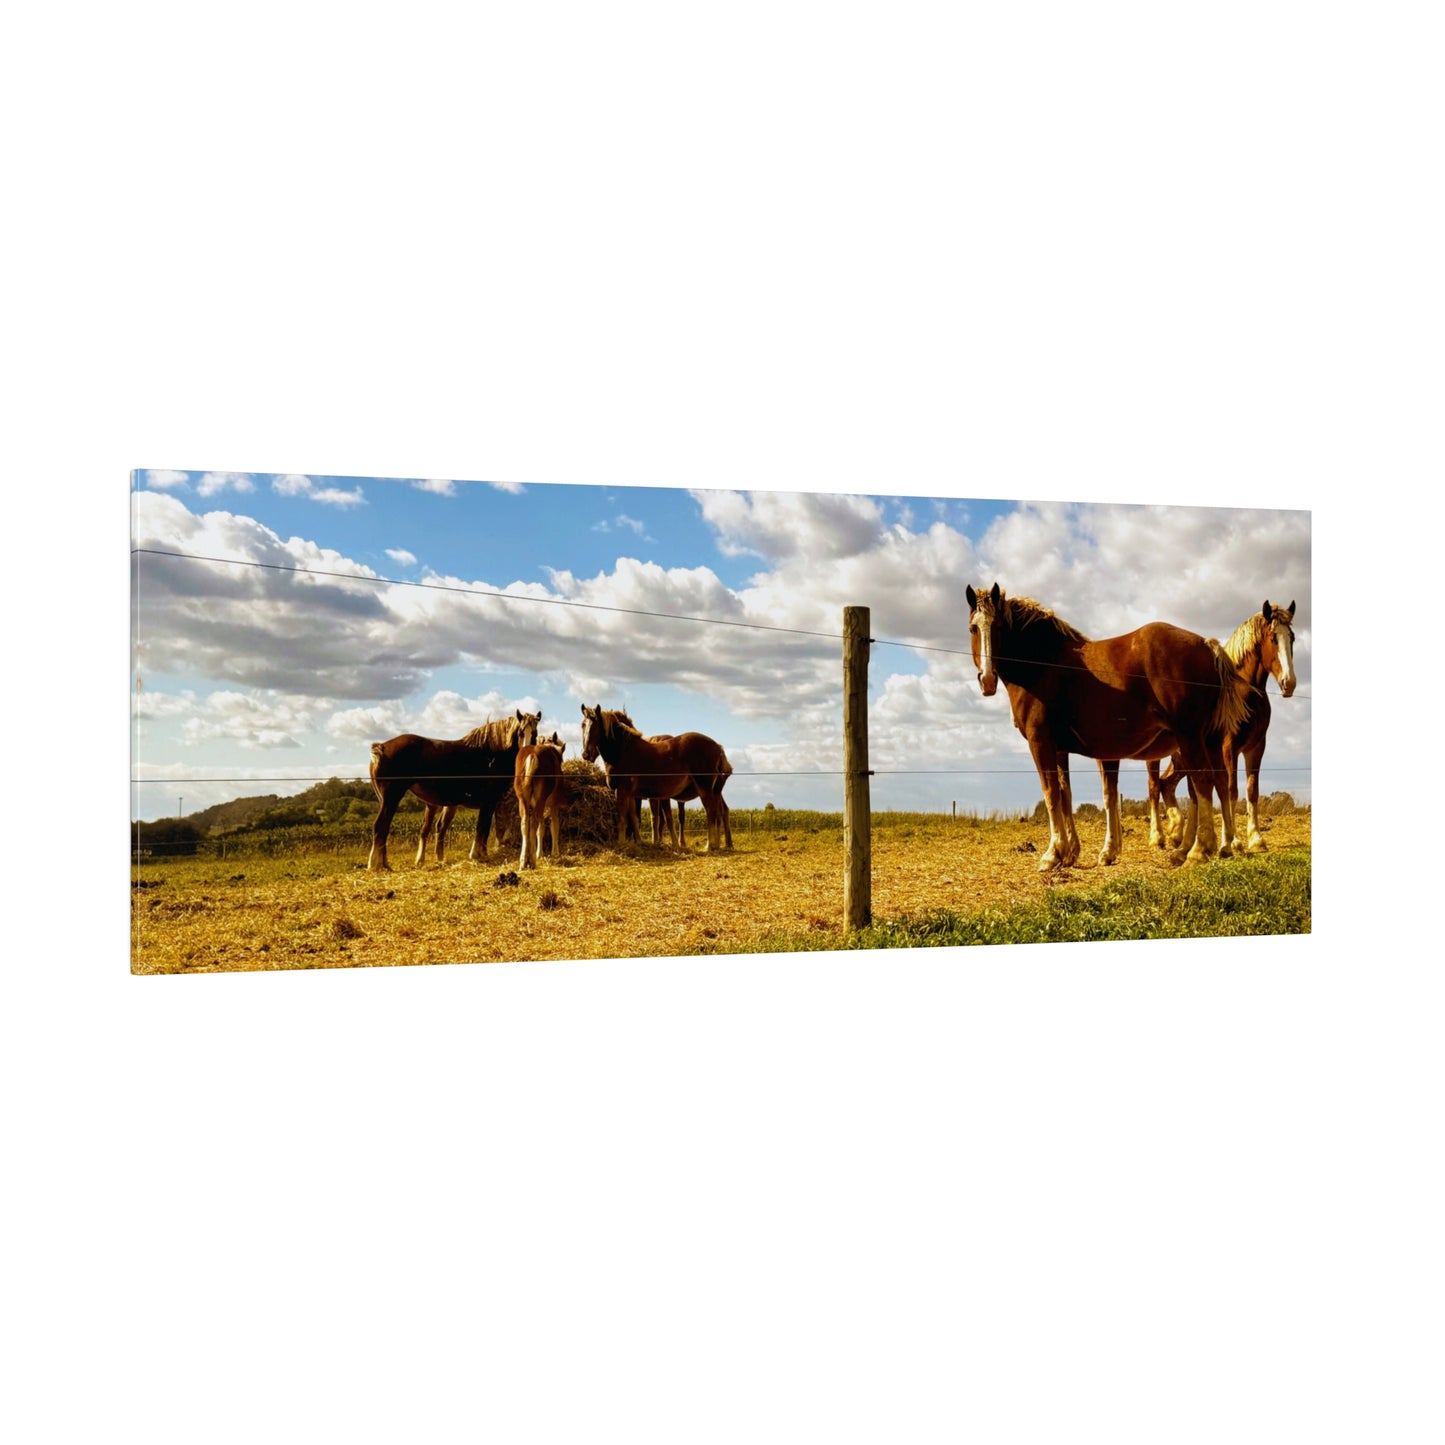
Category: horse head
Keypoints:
(555, 741)
(1278, 643)
(591, 732)
(984, 612)
(524, 728)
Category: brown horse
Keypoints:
(540, 789)
(662, 808)
(1151, 693)
(666, 767)
(1261, 647)
(450, 812)
(475, 771)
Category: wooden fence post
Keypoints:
(857, 838)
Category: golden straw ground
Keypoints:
(325, 912)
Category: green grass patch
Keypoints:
(1239, 897)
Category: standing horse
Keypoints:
(665, 767)
(501, 818)
(662, 808)
(1260, 647)
(475, 771)
(1151, 693)
(537, 781)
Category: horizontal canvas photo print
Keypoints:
(381, 721)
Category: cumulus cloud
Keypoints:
(623, 523)
(401, 556)
(444, 714)
(338, 497)
(250, 720)
(165, 479)
(214, 482)
(775, 525)
(365, 651)
(440, 486)
(294, 484)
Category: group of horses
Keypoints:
(478, 770)
(1157, 694)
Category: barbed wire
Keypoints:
(612, 607)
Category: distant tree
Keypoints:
(167, 837)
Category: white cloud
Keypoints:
(775, 525)
(444, 714)
(254, 719)
(512, 487)
(401, 555)
(374, 646)
(214, 482)
(441, 486)
(291, 485)
(336, 497)
(164, 479)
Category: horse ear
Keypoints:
(1291, 612)
(972, 597)
(997, 595)
(1266, 611)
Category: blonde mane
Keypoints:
(496, 733)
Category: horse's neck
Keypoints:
(617, 746)
(1022, 660)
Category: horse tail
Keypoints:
(1232, 709)
(724, 770)
(528, 769)
(378, 751)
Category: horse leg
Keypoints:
(484, 827)
(427, 819)
(1046, 760)
(376, 860)
(627, 812)
(1252, 759)
(554, 816)
(1172, 818)
(1228, 790)
(1202, 772)
(1158, 833)
(1066, 790)
(443, 823)
(726, 822)
(1113, 832)
(531, 827)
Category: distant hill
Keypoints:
(271, 809)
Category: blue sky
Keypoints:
(264, 678)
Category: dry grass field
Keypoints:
(321, 911)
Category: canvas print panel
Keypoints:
(387, 720)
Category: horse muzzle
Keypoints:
(988, 685)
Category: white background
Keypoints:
(1153, 1192)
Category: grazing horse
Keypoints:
(1152, 693)
(471, 772)
(665, 767)
(1260, 647)
(537, 781)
